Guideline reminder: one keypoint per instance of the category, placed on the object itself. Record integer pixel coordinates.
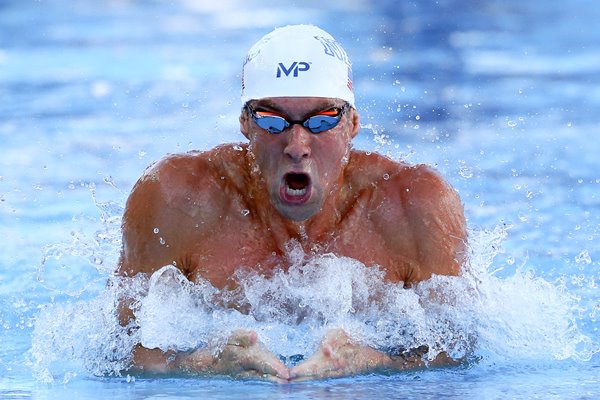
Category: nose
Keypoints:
(298, 145)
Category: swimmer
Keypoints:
(296, 178)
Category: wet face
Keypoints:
(300, 169)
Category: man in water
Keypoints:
(297, 179)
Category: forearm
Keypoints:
(156, 361)
(401, 359)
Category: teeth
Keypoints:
(295, 192)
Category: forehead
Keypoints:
(298, 104)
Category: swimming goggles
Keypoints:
(321, 122)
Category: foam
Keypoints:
(521, 316)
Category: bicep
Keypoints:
(145, 233)
(437, 220)
(423, 222)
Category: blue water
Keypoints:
(502, 96)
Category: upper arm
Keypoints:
(436, 215)
(169, 207)
(425, 222)
(141, 246)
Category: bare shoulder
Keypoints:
(417, 212)
(385, 174)
(182, 181)
(177, 199)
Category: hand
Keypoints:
(244, 356)
(337, 356)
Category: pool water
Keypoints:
(501, 96)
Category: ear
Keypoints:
(245, 124)
(355, 121)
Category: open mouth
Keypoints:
(295, 188)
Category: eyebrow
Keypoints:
(269, 106)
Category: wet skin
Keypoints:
(239, 205)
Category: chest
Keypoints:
(243, 243)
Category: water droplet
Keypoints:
(465, 172)
(512, 124)
(237, 147)
(156, 230)
(386, 176)
(161, 240)
(583, 258)
(245, 212)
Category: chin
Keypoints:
(297, 212)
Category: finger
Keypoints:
(251, 354)
(310, 372)
(253, 374)
(264, 361)
(315, 366)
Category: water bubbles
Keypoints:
(583, 258)
(578, 280)
(464, 170)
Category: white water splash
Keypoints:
(518, 317)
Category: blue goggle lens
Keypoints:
(316, 124)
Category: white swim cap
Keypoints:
(297, 61)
